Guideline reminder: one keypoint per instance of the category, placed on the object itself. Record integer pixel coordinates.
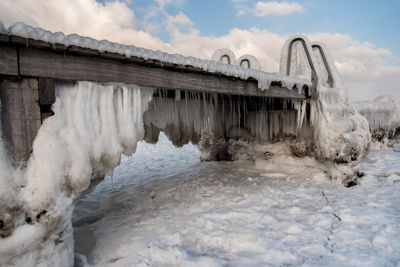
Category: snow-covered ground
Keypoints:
(163, 207)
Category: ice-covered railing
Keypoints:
(264, 78)
(252, 62)
(226, 56)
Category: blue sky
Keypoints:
(376, 22)
(361, 35)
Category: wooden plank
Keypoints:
(40, 63)
(38, 44)
(73, 49)
(113, 56)
(59, 47)
(20, 116)
(8, 61)
(18, 40)
(4, 38)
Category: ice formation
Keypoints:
(225, 56)
(217, 122)
(382, 116)
(340, 135)
(93, 125)
(264, 79)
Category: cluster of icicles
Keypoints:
(194, 114)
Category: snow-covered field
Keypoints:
(163, 207)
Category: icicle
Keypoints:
(112, 178)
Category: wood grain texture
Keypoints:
(8, 61)
(20, 116)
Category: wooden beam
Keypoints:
(20, 116)
(8, 61)
(41, 63)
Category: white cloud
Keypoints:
(362, 66)
(242, 9)
(276, 8)
(112, 20)
(164, 3)
(179, 22)
(270, 8)
(156, 12)
(265, 45)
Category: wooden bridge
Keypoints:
(30, 68)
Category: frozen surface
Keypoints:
(180, 212)
(264, 79)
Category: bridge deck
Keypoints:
(32, 58)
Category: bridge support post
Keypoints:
(20, 116)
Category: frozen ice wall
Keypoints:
(93, 125)
(217, 122)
